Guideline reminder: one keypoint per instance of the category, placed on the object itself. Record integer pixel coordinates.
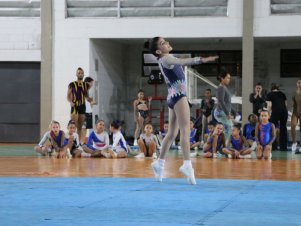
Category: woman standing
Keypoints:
(296, 114)
(277, 104)
(141, 113)
(222, 112)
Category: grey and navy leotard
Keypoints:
(171, 68)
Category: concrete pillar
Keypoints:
(46, 65)
(247, 57)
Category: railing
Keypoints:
(146, 8)
(192, 88)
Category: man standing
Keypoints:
(88, 124)
(77, 93)
(257, 99)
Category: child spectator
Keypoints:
(163, 132)
(73, 139)
(210, 129)
(265, 135)
(58, 145)
(215, 143)
(207, 106)
(98, 141)
(147, 143)
(119, 147)
(249, 130)
(237, 146)
(194, 140)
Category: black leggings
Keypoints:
(280, 119)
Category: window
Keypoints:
(290, 62)
(146, 8)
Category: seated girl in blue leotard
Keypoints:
(237, 146)
(249, 130)
(215, 143)
(265, 135)
(56, 137)
(194, 141)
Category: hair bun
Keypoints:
(147, 44)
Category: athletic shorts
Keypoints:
(81, 109)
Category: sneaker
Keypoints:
(271, 155)
(85, 155)
(202, 144)
(294, 147)
(193, 154)
(135, 142)
(158, 170)
(105, 154)
(219, 155)
(189, 173)
(214, 155)
(133, 149)
(154, 155)
(113, 154)
(254, 146)
(229, 156)
(140, 155)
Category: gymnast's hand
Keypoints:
(209, 59)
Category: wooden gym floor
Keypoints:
(21, 161)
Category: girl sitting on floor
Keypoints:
(58, 145)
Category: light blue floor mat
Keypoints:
(139, 202)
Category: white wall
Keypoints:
(20, 39)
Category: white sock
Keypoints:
(135, 142)
(161, 162)
(187, 163)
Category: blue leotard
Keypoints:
(219, 143)
(249, 131)
(265, 133)
(192, 136)
(237, 144)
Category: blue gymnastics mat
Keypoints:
(139, 202)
